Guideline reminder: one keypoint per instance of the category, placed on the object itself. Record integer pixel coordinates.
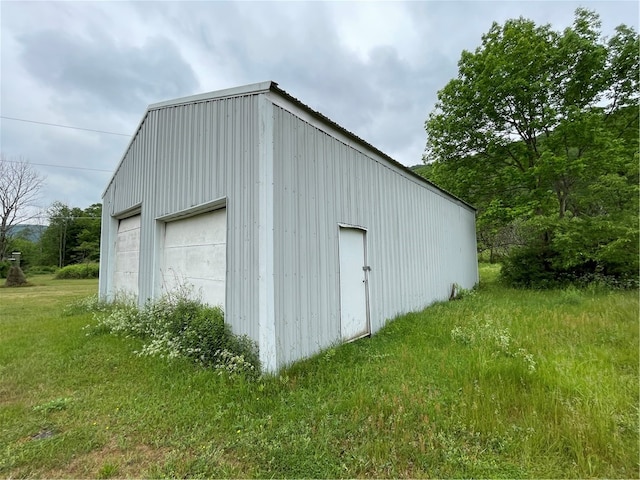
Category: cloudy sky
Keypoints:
(373, 67)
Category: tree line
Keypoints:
(72, 236)
(540, 132)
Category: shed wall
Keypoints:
(419, 240)
(184, 156)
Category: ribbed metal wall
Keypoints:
(419, 240)
(184, 156)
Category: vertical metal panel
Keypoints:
(266, 312)
(420, 241)
(185, 156)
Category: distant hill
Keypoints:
(28, 232)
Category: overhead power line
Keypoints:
(64, 126)
(62, 166)
(55, 217)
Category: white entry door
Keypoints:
(354, 322)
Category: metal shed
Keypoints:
(306, 234)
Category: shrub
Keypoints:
(176, 326)
(42, 269)
(575, 250)
(15, 277)
(530, 267)
(541, 267)
(80, 270)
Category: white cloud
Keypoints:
(373, 67)
(364, 27)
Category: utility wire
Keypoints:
(64, 126)
(61, 166)
(46, 217)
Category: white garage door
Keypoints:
(125, 277)
(195, 253)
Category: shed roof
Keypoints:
(271, 86)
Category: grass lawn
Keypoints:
(502, 383)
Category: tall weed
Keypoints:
(177, 326)
(489, 337)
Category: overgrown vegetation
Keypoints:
(540, 267)
(176, 326)
(500, 383)
(540, 132)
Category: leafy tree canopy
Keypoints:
(73, 235)
(540, 131)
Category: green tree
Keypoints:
(73, 235)
(87, 238)
(540, 131)
(30, 251)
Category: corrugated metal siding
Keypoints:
(187, 155)
(419, 241)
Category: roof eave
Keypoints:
(252, 89)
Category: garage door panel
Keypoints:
(128, 241)
(125, 261)
(205, 229)
(128, 224)
(200, 261)
(207, 262)
(195, 254)
(212, 291)
(127, 255)
(127, 281)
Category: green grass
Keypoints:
(502, 383)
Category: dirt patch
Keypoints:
(112, 461)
